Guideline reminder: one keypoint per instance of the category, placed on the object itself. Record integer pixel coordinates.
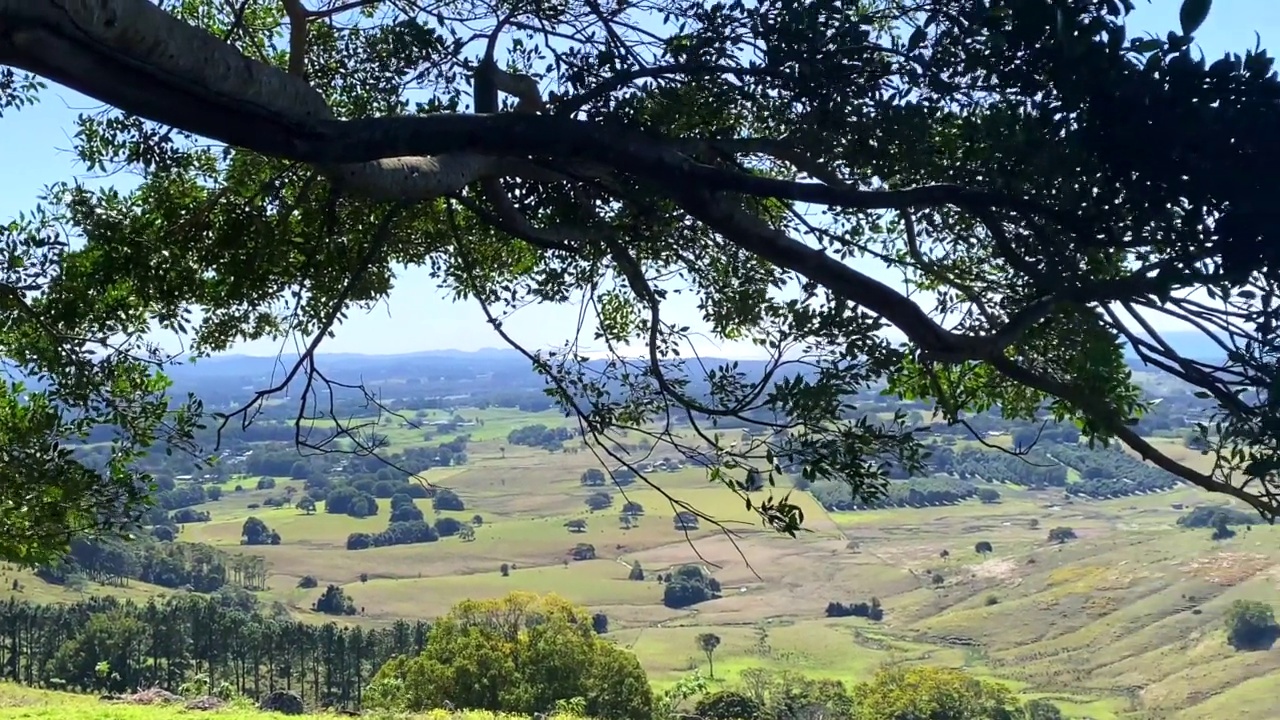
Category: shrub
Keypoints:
(727, 705)
(306, 582)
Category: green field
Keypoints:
(19, 703)
(1124, 621)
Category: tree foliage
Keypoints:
(1251, 625)
(1047, 181)
(935, 693)
(518, 654)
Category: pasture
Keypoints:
(1124, 619)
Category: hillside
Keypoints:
(480, 489)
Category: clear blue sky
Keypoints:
(34, 152)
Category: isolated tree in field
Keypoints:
(334, 601)
(1221, 530)
(988, 496)
(707, 643)
(599, 501)
(983, 548)
(1048, 185)
(447, 500)
(1061, 535)
(306, 505)
(576, 525)
(255, 532)
(1251, 625)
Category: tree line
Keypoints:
(108, 645)
(194, 566)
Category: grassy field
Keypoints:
(1124, 621)
(19, 703)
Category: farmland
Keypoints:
(1124, 619)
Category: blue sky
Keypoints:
(34, 152)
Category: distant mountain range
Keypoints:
(1190, 344)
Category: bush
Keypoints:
(600, 623)
(988, 496)
(1041, 709)
(306, 582)
(727, 705)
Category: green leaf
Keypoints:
(1192, 14)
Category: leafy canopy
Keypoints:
(1045, 180)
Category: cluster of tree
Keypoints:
(540, 435)
(688, 585)
(255, 532)
(183, 517)
(894, 693)
(1032, 469)
(921, 492)
(199, 567)
(595, 477)
(182, 495)
(397, 533)
(521, 654)
(1110, 472)
(871, 611)
(347, 500)
(334, 601)
(1206, 516)
(167, 643)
